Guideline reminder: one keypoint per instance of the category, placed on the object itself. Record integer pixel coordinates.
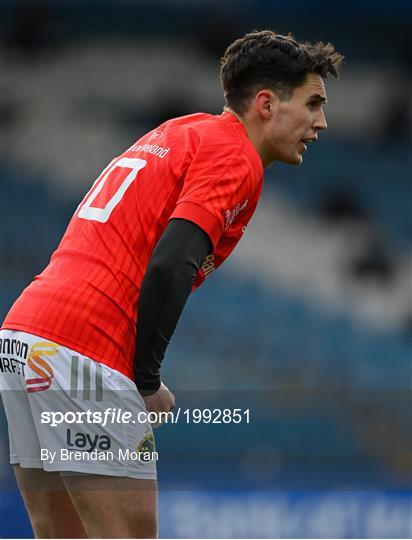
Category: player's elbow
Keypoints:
(159, 270)
(177, 274)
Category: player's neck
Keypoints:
(255, 136)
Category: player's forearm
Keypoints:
(163, 295)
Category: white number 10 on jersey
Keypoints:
(102, 214)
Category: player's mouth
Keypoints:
(305, 142)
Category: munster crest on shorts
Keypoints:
(147, 445)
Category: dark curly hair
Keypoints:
(264, 59)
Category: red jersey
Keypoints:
(200, 167)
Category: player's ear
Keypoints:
(266, 101)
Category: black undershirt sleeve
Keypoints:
(165, 288)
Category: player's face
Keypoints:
(297, 121)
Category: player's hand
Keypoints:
(161, 401)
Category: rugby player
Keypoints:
(95, 324)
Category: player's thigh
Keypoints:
(114, 507)
(48, 504)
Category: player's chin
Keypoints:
(293, 159)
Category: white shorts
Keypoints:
(43, 383)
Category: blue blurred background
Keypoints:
(309, 322)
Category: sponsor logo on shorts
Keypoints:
(14, 347)
(87, 441)
(146, 447)
(37, 363)
(11, 365)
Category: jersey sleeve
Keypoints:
(226, 245)
(218, 179)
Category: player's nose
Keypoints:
(320, 120)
